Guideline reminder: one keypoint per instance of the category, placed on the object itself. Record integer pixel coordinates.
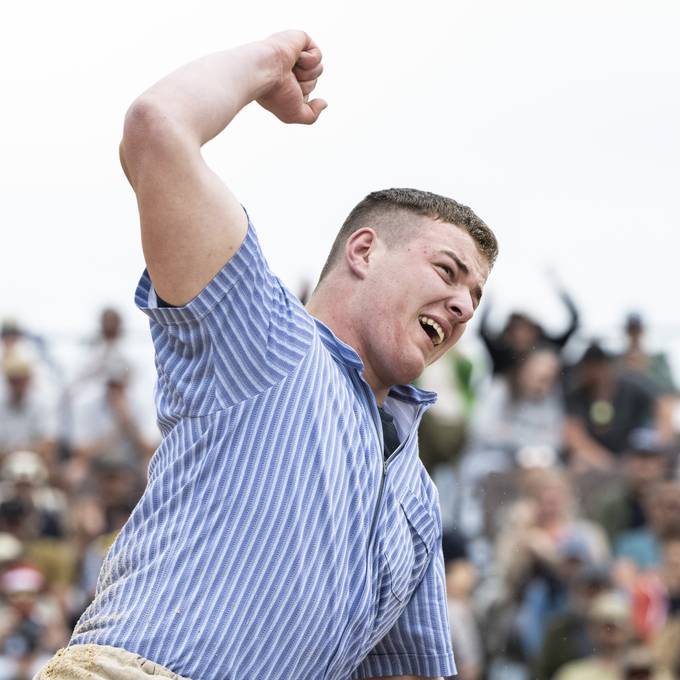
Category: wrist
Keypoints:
(266, 67)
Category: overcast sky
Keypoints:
(556, 121)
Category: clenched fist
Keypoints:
(298, 61)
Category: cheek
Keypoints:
(388, 332)
(457, 334)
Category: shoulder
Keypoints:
(637, 385)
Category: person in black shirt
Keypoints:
(603, 409)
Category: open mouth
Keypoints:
(434, 331)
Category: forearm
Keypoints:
(201, 98)
(584, 449)
(664, 417)
(562, 339)
(191, 222)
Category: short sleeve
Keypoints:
(419, 643)
(244, 332)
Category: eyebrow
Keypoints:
(477, 290)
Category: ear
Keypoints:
(358, 250)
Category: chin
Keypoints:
(409, 371)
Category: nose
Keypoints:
(460, 305)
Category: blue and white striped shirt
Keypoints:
(272, 541)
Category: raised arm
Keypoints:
(191, 223)
(561, 340)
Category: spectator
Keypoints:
(523, 411)
(24, 479)
(35, 514)
(637, 359)
(522, 334)
(102, 511)
(107, 354)
(603, 410)
(115, 486)
(639, 663)
(101, 508)
(666, 646)
(609, 621)
(460, 580)
(567, 636)
(656, 593)
(645, 463)
(655, 367)
(517, 423)
(25, 421)
(640, 549)
(17, 344)
(32, 627)
(10, 338)
(109, 422)
(539, 551)
(118, 484)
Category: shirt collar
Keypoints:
(348, 356)
(340, 350)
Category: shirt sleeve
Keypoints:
(419, 643)
(244, 332)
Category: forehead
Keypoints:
(434, 237)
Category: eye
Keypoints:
(448, 272)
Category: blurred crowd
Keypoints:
(558, 482)
(560, 493)
(73, 458)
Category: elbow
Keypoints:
(149, 134)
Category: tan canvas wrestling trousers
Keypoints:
(97, 662)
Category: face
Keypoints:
(634, 331)
(110, 323)
(596, 374)
(609, 636)
(538, 375)
(671, 566)
(415, 299)
(460, 578)
(663, 506)
(552, 500)
(522, 334)
(18, 386)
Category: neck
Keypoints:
(333, 308)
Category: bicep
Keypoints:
(191, 223)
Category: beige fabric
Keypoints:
(98, 662)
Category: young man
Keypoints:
(288, 530)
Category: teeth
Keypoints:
(425, 320)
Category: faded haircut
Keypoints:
(385, 210)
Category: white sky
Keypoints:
(556, 121)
